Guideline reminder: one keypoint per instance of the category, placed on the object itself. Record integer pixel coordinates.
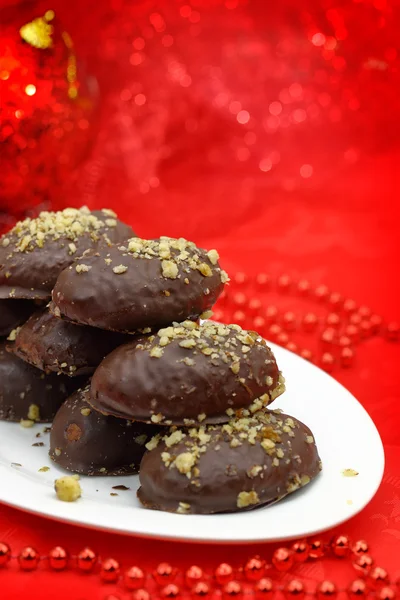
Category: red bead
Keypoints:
(360, 547)
(289, 321)
(300, 551)
(294, 589)
(378, 576)
(349, 306)
(316, 548)
(200, 590)
(364, 312)
(254, 306)
(193, 575)
(352, 332)
(365, 329)
(141, 594)
(218, 315)
(283, 559)
(340, 546)
(233, 589)
(355, 319)
(239, 317)
(321, 292)
(259, 324)
(112, 597)
(284, 283)
(58, 558)
(86, 560)
(264, 588)
(333, 320)
(254, 569)
(240, 279)
(392, 332)
(303, 287)
(223, 573)
(263, 281)
(273, 332)
(327, 362)
(328, 338)
(335, 300)
(346, 357)
(357, 589)
(310, 322)
(386, 593)
(28, 559)
(282, 338)
(223, 296)
(307, 354)
(376, 323)
(164, 573)
(344, 341)
(292, 347)
(134, 578)
(271, 314)
(326, 590)
(5, 554)
(109, 570)
(239, 299)
(170, 591)
(363, 563)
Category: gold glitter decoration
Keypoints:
(38, 32)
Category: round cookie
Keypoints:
(51, 344)
(35, 251)
(27, 393)
(186, 374)
(84, 441)
(13, 313)
(249, 462)
(144, 284)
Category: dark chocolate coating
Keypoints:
(51, 344)
(13, 313)
(31, 272)
(137, 295)
(22, 386)
(171, 384)
(93, 444)
(213, 474)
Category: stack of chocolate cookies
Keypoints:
(181, 399)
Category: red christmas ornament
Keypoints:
(289, 321)
(271, 314)
(284, 283)
(300, 551)
(282, 338)
(303, 287)
(333, 320)
(28, 559)
(335, 300)
(254, 569)
(310, 322)
(233, 589)
(263, 282)
(193, 575)
(240, 279)
(327, 362)
(109, 570)
(5, 554)
(393, 332)
(363, 563)
(283, 559)
(264, 588)
(58, 559)
(223, 573)
(357, 589)
(307, 354)
(273, 331)
(164, 573)
(321, 293)
(349, 306)
(377, 577)
(170, 591)
(200, 590)
(294, 589)
(134, 578)
(316, 549)
(386, 593)
(254, 306)
(87, 559)
(346, 357)
(141, 594)
(340, 546)
(326, 590)
(360, 547)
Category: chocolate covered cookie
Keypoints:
(84, 441)
(35, 251)
(142, 284)
(249, 462)
(27, 393)
(51, 344)
(187, 373)
(13, 313)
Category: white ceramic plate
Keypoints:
(345, 435)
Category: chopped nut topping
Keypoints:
(33, 412)
(183, 508)
(205, 270)
(184, 462)
(153, 443)
(213, 256)
(85, 411)
(43, 469)
(350, 473)
(309, 439)
(26, 423)
(68, 488)
(82, 268)
(206, 315)
(120, 269)
(169, 269)
(157, 418)
(245, 499)
(72, 248)
(57, 451)
(254, 471)
(175, 437)
(156, 352)
(13, 335)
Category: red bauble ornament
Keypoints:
(289, 321)
(307, 354)
(141, 594)
(349, 306)
(321, 293)
(294, 589)
(357, 589)
(28, 559)
(333, 320)
(340, 546)
(87, 560)
(263, 281)
(200, 590)
(283, 559)
(254, 306)
(284, 283)
(335, 300)
(254, 569)
(193, 575)
(327, 362)
(5, 554)
(303, 287)
(264, 588)
(109, 570)
(393, 332)
(316, 548)
(326, 590)
(363, 563)
(170, 591)
(300, 551)
(58, 559)
(164, 573)
(240, 279)
(377, 577)
(233, 589)
(360, 547)
(271, 314)
(387, 593)
(310, 322)
(134, 578)
(223, 573)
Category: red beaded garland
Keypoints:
(282, 338)
(327, 362)
(335, 300)
(340, 545)
(376, 323)
(328, 337)
(170, 591)
(240, 279)
(300, 551)
(306, 354)
(109, 570)
(321, 292)
(316, 549)
(393, 332)
(263, 281)
(87, 559)
(273, 331)
(254, 306)
(344, 341)
(352, 332)
(200, 589)
(239, 299)
(254, 569)
(28, 559)
(283, 559)
(223, 573)
(326, 590)
(239, 317)
(164, 573)
(141, 594)
(346, 357)
(5, 554)
(193, 575)
(58, 559)
(289, 321)
(363, 563)
(357, 589)
(134, 578)
(333, 320)
(364, 312)
(378, 576)
(360, 547)
(365, 329)
(270, 314)
(349, 306)
(386, 593)
(284, 283)
(294, 589)
(292, 346)
(303, 287)
(310, 322)
(259, 323)
(264, 588)
(233, 589)
(355, 319)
